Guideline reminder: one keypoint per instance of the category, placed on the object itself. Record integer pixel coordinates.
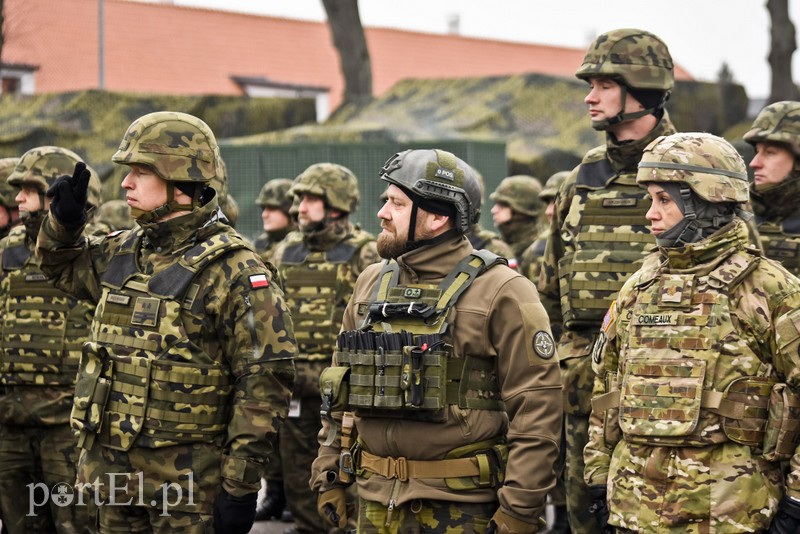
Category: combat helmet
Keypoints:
(437, 176)
(275, 194)
(777, 123)
(335, 184)
(8, 192)
(639, 61)
(552, 185)
(521, 193)
(707, 164)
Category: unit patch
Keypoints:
(543, 345)
(258, 280)
(145, 311)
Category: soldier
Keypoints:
(599, 234)
(516, 212)
(533, 256)
(318, 265)
(275, 203)
(9, 211)
(446, 360)
(43, 330)
(696, 363)
(189, 368)
(479, 237)
(775, 195)
(111, 216)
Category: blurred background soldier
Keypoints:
(599, 234)
(318, 266)
(436, 453)
(516, 212)
(276, 204)
(481, 238)
(775, 194)
(695, 360)
(189, 368)
(111, 216)
(9, 211)
(43, 331)
(533, 257)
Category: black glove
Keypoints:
(234, 515)
(599, 508)
(787, 519)
(68, 197)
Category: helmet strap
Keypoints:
(412, 224)
(622, 116)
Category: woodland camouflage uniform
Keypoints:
(274, 194)
(189, 369)
(521, 193)
(7, 192)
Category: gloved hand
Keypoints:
(68, 197)
(787, 519)
(502, 523)
(234, 515)
(332, 507)
(599, 508)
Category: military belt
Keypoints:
(404, 469)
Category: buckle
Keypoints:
(398, 468)
(346, 463)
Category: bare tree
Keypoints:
(351, 43)
(2, 29)
(783, 43)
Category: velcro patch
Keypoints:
(258, 280)
(543, 345)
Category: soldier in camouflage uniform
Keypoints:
(189, 368)
(111, 216)
(447, 363)
(775, 193)
(318, 265)
(599, 234)
(43, 330)
(9, 212)
(533, 257)
(696, 392)
(481, 238)
(275, 203)
(516, 212)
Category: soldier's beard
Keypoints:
(391, 246)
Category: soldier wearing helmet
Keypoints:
(599, 234)
(276, 204)
(9, 212)
(189, 365)
(690, 359)
(42, 331)
(318, 265)
(435, 453)
(775, 191)
(480, 237)
(516, 212)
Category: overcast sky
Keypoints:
(701, 34)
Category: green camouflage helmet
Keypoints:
(177, 146)
(114, 215)
(639, 58)
(275, 194)
(552, 185)
(708, 164)
(440, 176)
(777, 123)
(7, 191)
(40, 167)
(521, 193)
(333, 183)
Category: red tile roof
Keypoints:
(162, 48)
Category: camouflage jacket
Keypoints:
(266, 243)
(777, 211)
(236, 316)
(497, 317)
(519, 233)
(481, 238)
(695, 324)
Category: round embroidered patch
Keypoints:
(543, 345)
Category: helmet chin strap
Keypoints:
(603, 125)
(171, 206)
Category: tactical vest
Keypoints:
(142, 380)
(679, 348)
(400, 362)
(781, 242)
(317, 286)
(611, 239)
(44, 328)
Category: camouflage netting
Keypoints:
(92, 123)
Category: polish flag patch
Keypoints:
(258, 280)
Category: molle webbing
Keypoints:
(780, 247)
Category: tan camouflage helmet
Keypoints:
(637, 57)
(40, 167)
(777, 123)
(438, 176)
(521, 193)
(333, 183)
(8, 192)
(552, 185)
(708, 164)
(275, 194)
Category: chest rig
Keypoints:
(142, 379)
(611, 238)
(43, 328)
(781, 241)
(400, 362)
